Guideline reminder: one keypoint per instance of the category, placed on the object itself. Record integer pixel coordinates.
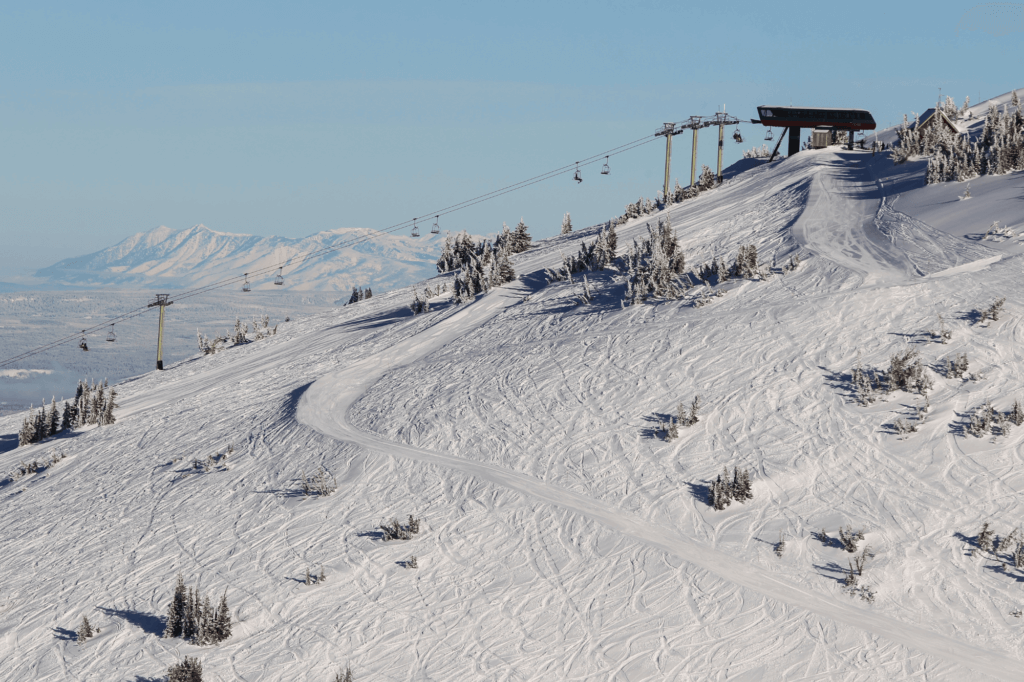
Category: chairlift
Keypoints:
(82, 344)
(245, 284)
(605, 170)
(736, 135)
(415, 230)
(578, 177)
(436, 229)
(279, 280)
(768, 135)
(110, 335)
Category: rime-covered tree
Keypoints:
(188, 670)
(566, 224)
(521, 238)
(84, 631)
(176, 610)
(222, 621)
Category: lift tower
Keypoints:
(161, 300)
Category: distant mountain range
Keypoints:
(175, 259)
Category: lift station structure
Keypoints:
(795, 118)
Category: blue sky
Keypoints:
(291, 118)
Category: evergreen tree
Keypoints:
(41, 423)
(108, 408)
(446, 261)
(566, 224)
(369, 292)
(68, 417)
(521, 238)
(190, 616)
(189, 670)
(177, 610)
(222, 622)
(26, 436)
(84, 630)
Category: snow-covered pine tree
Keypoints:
(502, 267)
(354, 298)
(566, 224)
(40, 423)
(26, 435)
(446, 261)
(188, 670)
(54, 414)
(190, 615)
(84, 631)
(1016, 414)
(521, 238)
(720, 497)
(369, 292)
(345, 676)
(222, 622)
(176, 610)
(207, 622)
(984, 539)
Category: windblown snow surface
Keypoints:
(562, 538)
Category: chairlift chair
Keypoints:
(737, 136)
(279, 280)
(415, 230)
(82, 344)
(578, 177)
(605, 170)
(110, 335)
(768, 135)
(245, 284)
(436, 229)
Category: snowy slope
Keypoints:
(563, 539)
(199, 256)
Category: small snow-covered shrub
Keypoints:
(188, 670)
(943, 335)
(84, 631)
(780, 546)
(982, 420)
(957, 367)
(345, 676)
(394, 530)
(723, 491)
(990, 313)
(691, 418)
(321, 483)
(984, 539)
(850, 537)
(907, 373)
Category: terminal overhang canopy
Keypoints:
(805, 117)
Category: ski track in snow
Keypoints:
(561, 540)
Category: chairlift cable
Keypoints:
(189, 293)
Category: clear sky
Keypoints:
(291, 118)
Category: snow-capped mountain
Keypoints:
(167, 258)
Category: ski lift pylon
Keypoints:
(82, 344)
(415, 230)
(279, 280)
(605, 170)
(110, 335)
(578, 177)
(245, 284)
(436, 229)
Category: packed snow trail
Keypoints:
(325, 406)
